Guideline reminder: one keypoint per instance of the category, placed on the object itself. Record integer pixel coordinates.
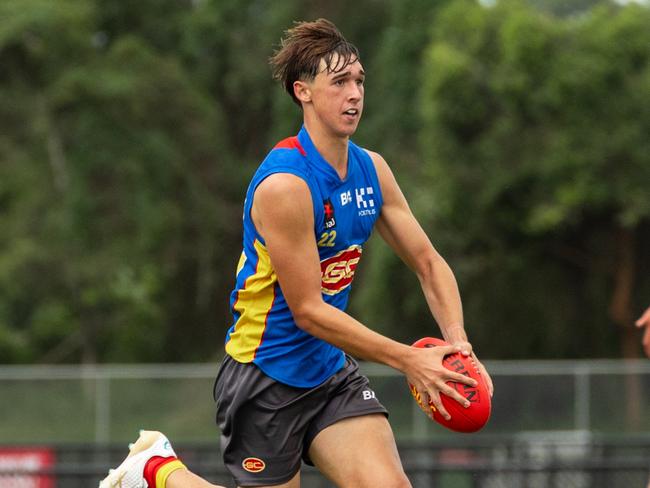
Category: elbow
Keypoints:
(305, 317)
(429, 265)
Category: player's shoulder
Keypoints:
(287, 150)
(282, 183)
(374, 155)
(291, 143)
(287, 155)
(379, 162)
(282, 197)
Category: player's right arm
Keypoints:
(282, 212)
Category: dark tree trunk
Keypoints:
(622, 313)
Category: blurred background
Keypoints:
(518, 130)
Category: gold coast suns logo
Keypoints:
(337, 272)
(253, 464)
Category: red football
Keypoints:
(472, 418)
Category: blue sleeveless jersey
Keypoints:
(345, 211)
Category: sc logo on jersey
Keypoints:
(337, 272)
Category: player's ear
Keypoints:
(302, 91)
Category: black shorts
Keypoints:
(267, 426)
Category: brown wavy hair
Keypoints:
(302, 49)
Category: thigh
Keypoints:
(359, 452)
(348, 395)
(262, 424)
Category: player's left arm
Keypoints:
(402, 232)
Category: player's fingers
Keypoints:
(425, 405)
(490, 385)
(437, 403)
(488, 380)
(484, 374)
(465, 347)
(460, 378)
(447, 350)
(452, 393)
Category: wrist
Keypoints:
(402, 358)
(455, 333)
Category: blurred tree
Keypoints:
(38, 41)
(128, 132)
(391, 126)
(125, 238)
(536, 136)
(562, 8)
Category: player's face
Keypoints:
(337, 97)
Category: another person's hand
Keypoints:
(644, 321)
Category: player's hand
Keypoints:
(463, 346)
(426, 372)
(466, 350)
(644, 321)
(456, 336)
(484, 374)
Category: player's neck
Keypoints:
(333, 148)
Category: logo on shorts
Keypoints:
(368, 394)
(253, 464)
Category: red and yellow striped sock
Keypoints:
(158, 469)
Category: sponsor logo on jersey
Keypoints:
(365, 202)
(328, 208)
(337, 272)
(346, 197)
(253, 464)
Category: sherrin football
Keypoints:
(472, 418)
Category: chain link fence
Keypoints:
(554, 424)
(555, 460)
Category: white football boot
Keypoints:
(129, 474)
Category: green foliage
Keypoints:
(129, 131)
(121, 151)
(535, 136)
